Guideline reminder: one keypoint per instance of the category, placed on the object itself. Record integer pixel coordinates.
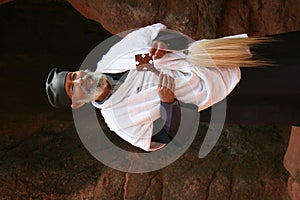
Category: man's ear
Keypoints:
(77, 105)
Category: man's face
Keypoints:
(84, 86)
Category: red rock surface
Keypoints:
(53, 164)
(197, 19)
(4, 1)
(292, 163)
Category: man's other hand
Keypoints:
(158, 49)
(166, 88)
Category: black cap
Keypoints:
(55, 88)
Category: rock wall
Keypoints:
(198, 19)
(246, 163)
(292, 163)
(4, 1)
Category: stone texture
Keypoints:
(110, 185)
(143, 186)
(246, 163)
(4, 1)
(260, 17)
(292, 156)
(294, 188)
(292, 163)
(198, 19)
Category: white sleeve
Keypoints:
(218, 83)
(121, 58)
(205, 86)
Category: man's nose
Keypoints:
(78, 81)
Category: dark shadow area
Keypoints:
(40, 152)
(36, 36)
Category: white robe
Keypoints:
(131, 110)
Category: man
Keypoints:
(131, 100)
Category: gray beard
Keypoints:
(99, 82)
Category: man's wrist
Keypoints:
(164, 43)
(174, 102)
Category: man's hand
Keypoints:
(158, 49)
(166, 88)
